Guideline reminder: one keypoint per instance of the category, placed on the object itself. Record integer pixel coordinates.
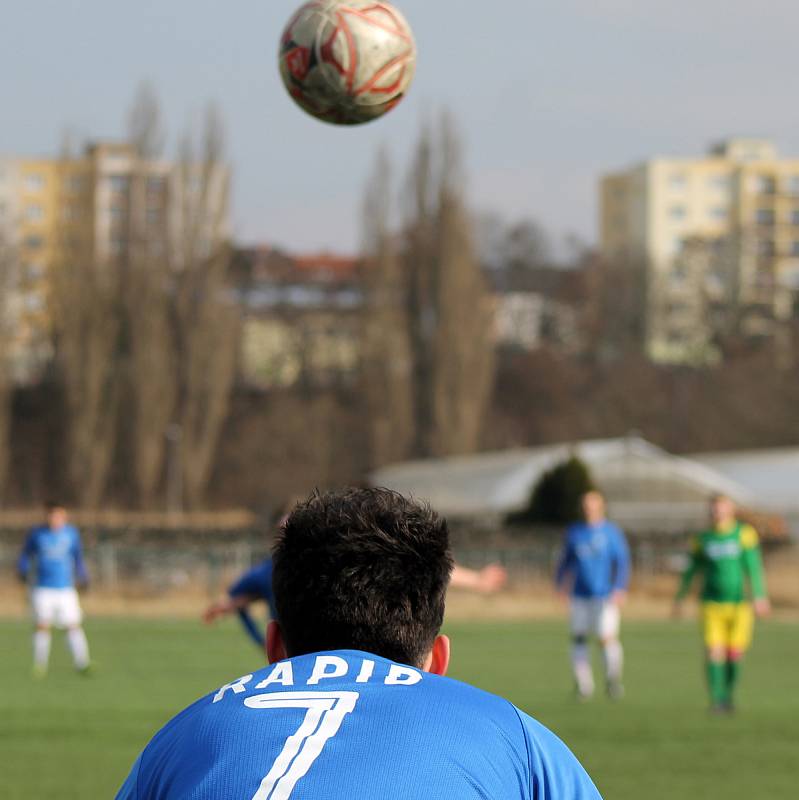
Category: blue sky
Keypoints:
(548, 95)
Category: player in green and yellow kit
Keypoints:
(728, 557)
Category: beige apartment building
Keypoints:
(94, 206)
(714, 241)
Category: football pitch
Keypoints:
(71, 737)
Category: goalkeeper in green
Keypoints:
(733, 590)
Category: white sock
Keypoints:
(79, 647)
(41, 649)
(613, 654)
(581, 665)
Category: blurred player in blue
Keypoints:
(594, 569)
(52, 554)
(254, 586)
(355, 703)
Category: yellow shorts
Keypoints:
(728, 625)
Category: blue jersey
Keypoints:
(348, 724)
(58, 557)
(257, 584)
(597, 559)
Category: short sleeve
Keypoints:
(555, 772)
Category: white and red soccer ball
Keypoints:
(347, 61)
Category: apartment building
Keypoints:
(715, 240)
(107, 206)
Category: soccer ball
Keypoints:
(347, 61)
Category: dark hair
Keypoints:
(362, 569)
(52, 504)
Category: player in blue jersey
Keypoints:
(355, 703)
(53, 554)
(594, 569)
(254, 586)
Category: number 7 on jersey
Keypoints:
(323, 718)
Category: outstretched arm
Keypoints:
(229, 605)
(237, 604)
(489, 579)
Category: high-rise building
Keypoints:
(714, 239)
(104, 206)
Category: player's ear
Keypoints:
(437, 662)
(275, 646)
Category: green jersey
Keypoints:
(727, 560)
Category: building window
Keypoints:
(765, 184)
(34, 242)
(119, 183)
(34, 271)
(718, 213)
(677, 181)
(765, 216)
(156, 184)
(34, 214)
(718, 183)
(117, 213)
(794, 218)
(677, 213)
(34, 182)
(766, 248)
(795, 248)
(75, 183)
(676, 245)
(154, 216)
(792, 184)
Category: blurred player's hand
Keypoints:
(619, 597)
(216, 610)
(762, 607)
(492, 578)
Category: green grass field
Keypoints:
(71, 737)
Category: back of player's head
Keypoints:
(362, 569)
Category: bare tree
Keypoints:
(84, 297)
(147, 299)
(448, 305)
(205, 324)
(386, 361)
(145, 123)
(464, 342)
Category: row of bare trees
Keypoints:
(428, 349)
(145, 339)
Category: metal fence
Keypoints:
(151, 569)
